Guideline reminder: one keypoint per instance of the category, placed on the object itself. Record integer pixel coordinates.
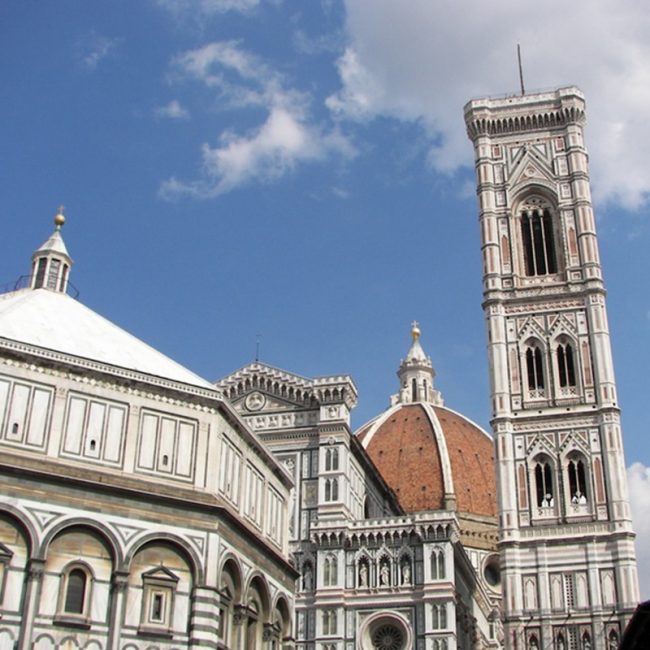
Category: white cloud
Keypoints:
(285, 138)
(92, 48)
(421, 61)
(264, 155)
(638, 478)
(240, 77)
(173, 111)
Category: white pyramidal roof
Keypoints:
(54, 320)
(54, 244)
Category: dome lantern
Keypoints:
(416, 375)
(51, 262)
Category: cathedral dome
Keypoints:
(432, 457)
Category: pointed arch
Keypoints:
(534, 367)
(577, 477)
(565, 360)
(543, 470)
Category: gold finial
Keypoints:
(415, 330)
(59, 217)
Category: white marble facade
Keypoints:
(566, 538)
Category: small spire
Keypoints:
(415, 330)
(59, 217)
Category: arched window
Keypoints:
(534, 367)
(414, 390)
(331, 460)
(537, 238)
(577, 480)
(75, 591)
(439, 617)
(329, 621)
(438, 564)
(565, 365)
(544, 484)
(330, 570)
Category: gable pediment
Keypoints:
(530, 165)
(160, 573)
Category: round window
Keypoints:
(387, 636)
(385, 631)
(491, 572)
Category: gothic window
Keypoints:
(329, 621)
(331, 489)
(331, 460)
(534, 367)
(544, 483)
(565, 365)
(330, 570)
(577, 480)
(414, 390)
(438, 565)
(537, 238)
(439, 617)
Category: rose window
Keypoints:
(387, 637)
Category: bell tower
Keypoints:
(566, 538)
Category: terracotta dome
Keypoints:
(432, 457)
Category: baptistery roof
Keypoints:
(432, 457)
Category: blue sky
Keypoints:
(299, 171)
